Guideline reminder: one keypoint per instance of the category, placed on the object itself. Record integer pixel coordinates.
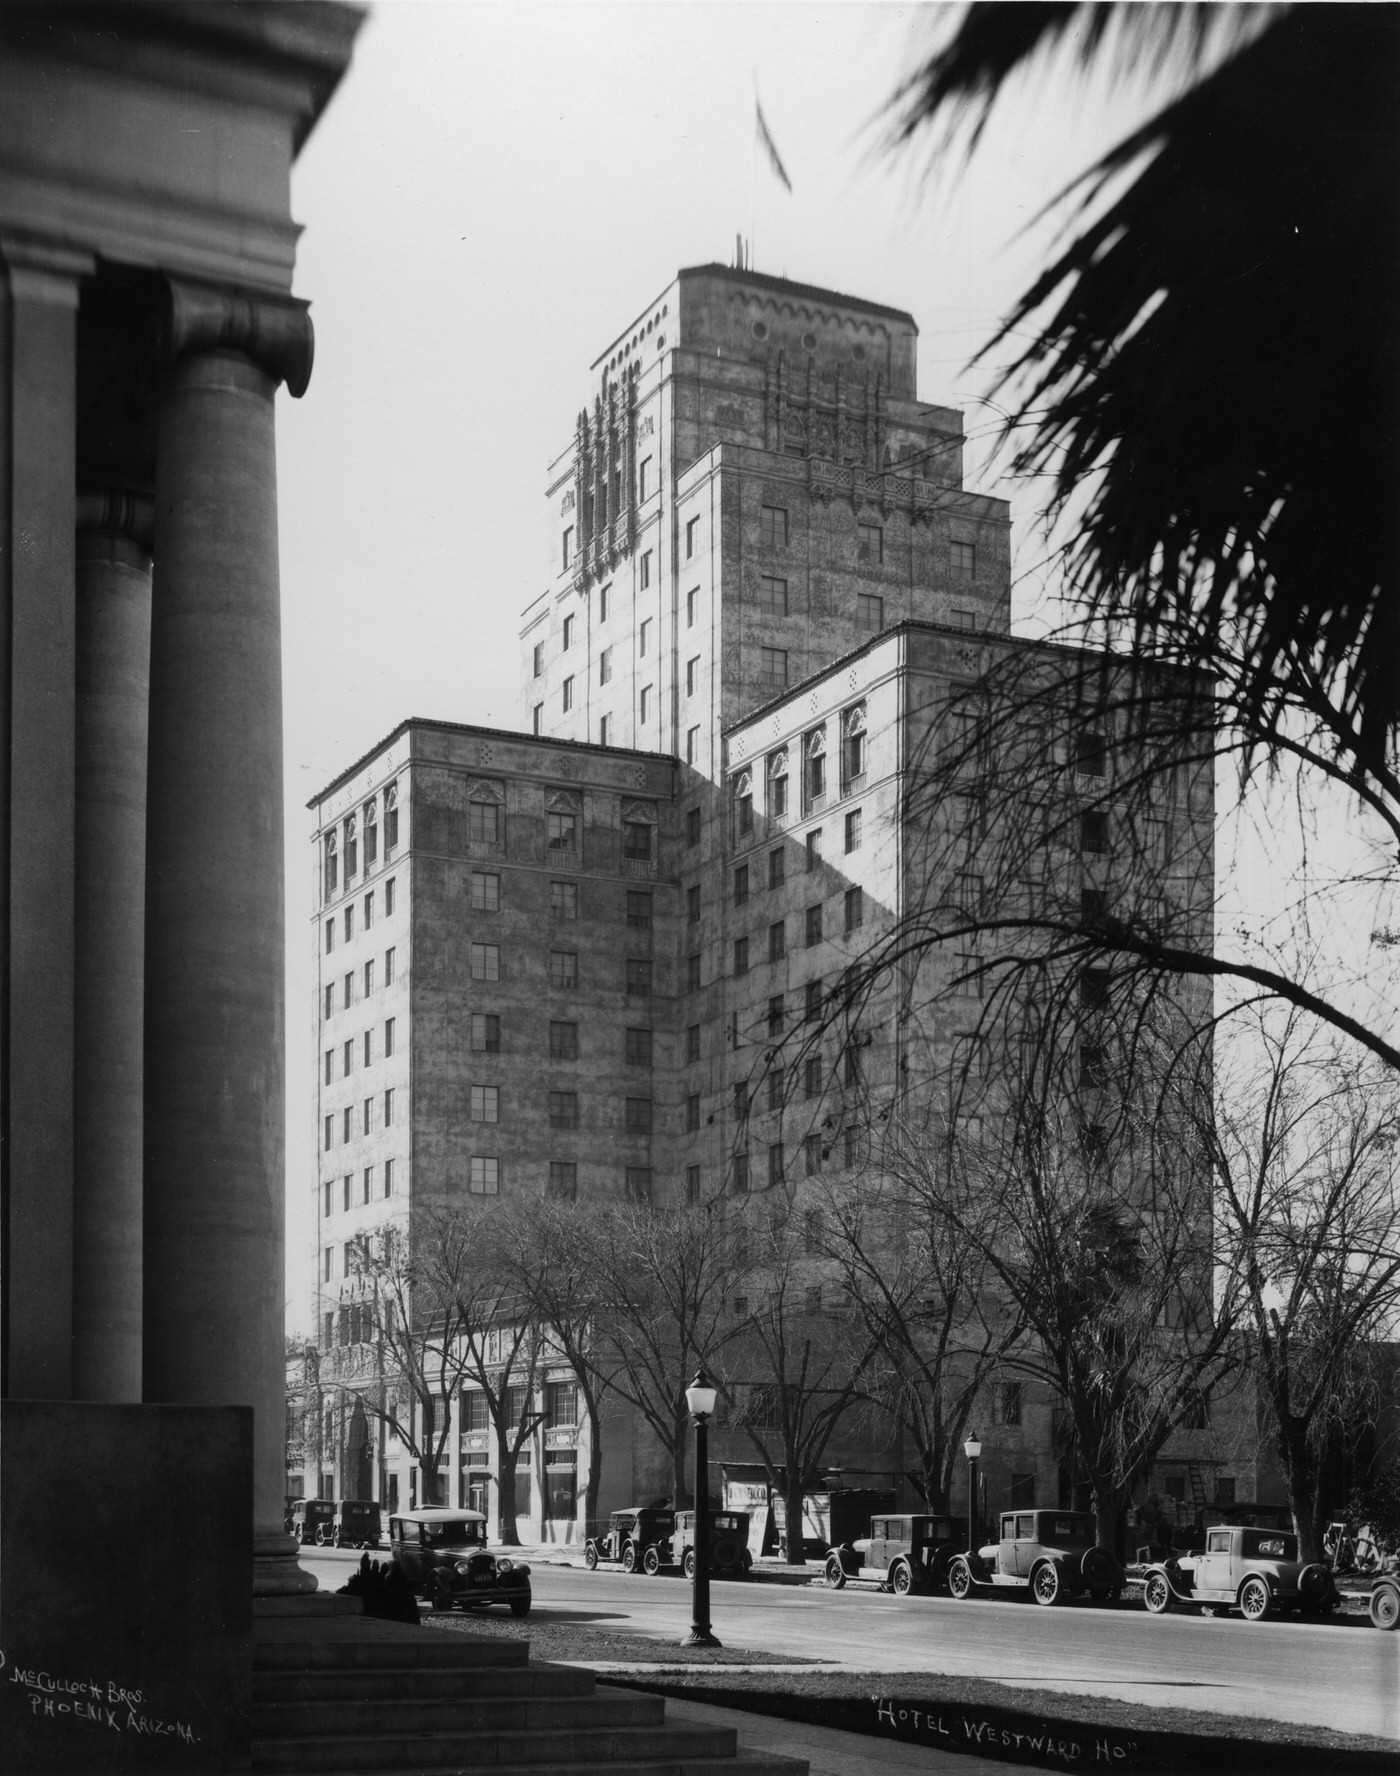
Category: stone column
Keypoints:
(113, 677)
(214, 1197)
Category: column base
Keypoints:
(276, 1572)
(700, 1637)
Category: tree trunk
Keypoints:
(507, 1533)
(1300, 1480)
(793, 1493)
(595, 1468)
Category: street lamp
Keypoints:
(972, 1449)
(700, 1398)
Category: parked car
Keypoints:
(310, 1520)
(1051, 1554)
(639, 1536)
(443, 1555)
(729, 1544)
(357, 1524)
(909, 1553)
(1385, 1601)
(1255, 1571)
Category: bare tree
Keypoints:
(1304, 1140)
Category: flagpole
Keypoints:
(753, 184)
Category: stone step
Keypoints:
(421, 1683)
(419, 1649)
(743, 1763)
(570, 1749)
(401, 1719)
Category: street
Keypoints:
(1344, 1675)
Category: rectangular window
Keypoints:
(813, 1002)
(692, 1184)
(388, 968)
(692, 1042)
(637, 1183)
(369, 905)
(740, 1182)
(369, 1048)
(366, 1184)
(637, 1048)
(636, 840)
(604, 598)
(369, 978)
(814, 848)
(741, 955)
(773, 667)
(870, 544)
(349, 921)
(329, 1004)
(484, 822)
(644, 478)
(692, 1114)
(388, 1177)
(772, 596)
(870, 611)
(538, 660)
(646, 570)
(563, 1180)
(775, 1164)
(330, 1131)
(644, 704)
(777, 940)
(692, 905)
(776, 1014)
(644, 638)
(692, 601)
(692, 745)
(563, 968)
(777, 868)
(1009, 1402)
(855, 909)
(566, 545)
(349, 990)
(568, 633)
(484, 1033)
(774, 523)
(561, 832)
(638, 977)
(638, 909)
(741, 884)
(814, 925)
(485, 961)
(741, 1099)
(486, 891)
(812, 1076)
(604, 730)
(330, 1065)
(389, 888)
(605, 667)
(1093, 989)
(347, 1124)
(811, 1154)
(389, 1108)
(563, 1110)
(484, 1178)
(1093, 833)
(692, 675)
(777, 785)
(692, 826)
(537, 719)
(692, 973)
(568, 694)
(963, 560)
(1090, 755)
(964, 619)
(367, 1116)
(327, 1266)
(563, 1041)
(330, 935)
(692, 536)
(853, 830)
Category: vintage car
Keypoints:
(729, 1544)
(311, 1520)
(909, 1553)
(1052, 1554)
(1255, 1571)
(356, 1525)
(639, 1537)
(443, 1555)
(1385, 1601)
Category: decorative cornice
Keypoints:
(274, 331)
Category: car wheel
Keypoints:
(688, 1564)
(960, 1580)
(320, 1535)
(520, 1606)
(1157, 1594)
(1047, 1587)
(835, 1572)
(1385, 1606)
(629, 1558)
(901, 1578)
(651, 1563)
(1254, 1600)
(590, 1558)
(440, 1596)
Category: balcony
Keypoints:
(639, 867)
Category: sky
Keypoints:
(495, 191)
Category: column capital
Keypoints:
(111, 509)
(274, 331)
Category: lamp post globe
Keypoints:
(700, 1399)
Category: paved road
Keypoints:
(1340, 1674)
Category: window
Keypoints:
(644, 638)
(636, 1182)
(741, 1099)
(330, 1132)
(646, 570)
(692, 746)
(605, 667)
(692, 1184)
(772, 666)
(692, 825)
(330, 1065)
(814, 768)
(638, 909)
(568, 633)
(739, 1182)
(853, 748)
(484, 1035)
(563, 900)
(811, 1159)
(349, 921)
(643, 478)
(644, 704)
(963, 561)
(388, 1177)
(814, 848)
(776, 1015)
(391, 818)
(1093, 989)
(692, 973)
(692, 1042)
(345, 1191)
(369, 978)
(604, 597)
(870, 544)
(327, 1265)
(563, 1041)
(692, 905)
(537, 719)
(566, 545)
(773, 596)
(389, 888)
(389, 968)
(855, 909)
(692, 536)
(369, 909)
(964, 619)
(741, 955)
(814, 925)
(777, 767)
(561, 831)
(1093, 833)
(1009, 1403)
(367, 1119)
(563, 1180)
(850, 1148)
(777, 868)
(484, 823)
(853, 830)
(636, 840)
(604, 730)
(813, 1003)
(329, 1000)
(332, 863)
(692, 1114)
(870, 611)
(812, 1077)
(741, 884)
(638, 977)
(485, 962)
(692, 675)
(560, 1404)
(1093, 906)
(366, 1184)
(347, 1124)
(563, 1110)
(330, 935)
(777, 940)
(637, 1048)
(369, 1048)
(484, 1178)
(486, 891)
(351, 849)
(743, 804)
(1093, 1065)
(538, 660)
(568, 694)
(563, 968)
(1090, 755)
(692, 601)
(775, 1164)
(774, 526)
